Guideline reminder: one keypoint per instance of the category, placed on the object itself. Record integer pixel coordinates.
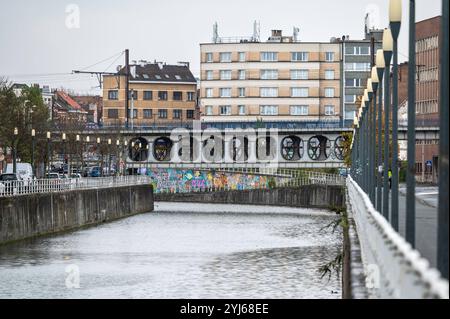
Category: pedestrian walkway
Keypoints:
(426, 220)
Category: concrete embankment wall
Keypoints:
(42, 214)
(312, 196)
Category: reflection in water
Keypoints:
(181, 251)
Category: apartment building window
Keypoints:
(241, 92)
(209, 57)
(269, 74)
(162, 95)
(364, 67)
(177, 96)
(209, 92)
(350, 98)
(329, 110)
(162, 113)
(364, 50)
(148, 95)
(177, 114)
(148, 113)
(299, 110)
(269, 92)
(268, 110)
(329, 56)
(191, 96)
(225, 92)
(225, 110)
(190, 114)
(208, 110)
(209, 75)
(350, 115)
(241, 74)
(299, 92)
(329, 92)
(241, 110)
(269, 56)
(329, 74)
(225, 57)
(225, 75)
(113, 95)
(351, 82)
(113, 113)
(300, 56)
(241, 56)
(132, 94)
(299, 74)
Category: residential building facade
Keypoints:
(357, 66)
(428, 43)
(278, 83)
(66, 109)
(160, 95)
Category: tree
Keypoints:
(24, 112)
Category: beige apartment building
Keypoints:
(160, 95)
(281, 82)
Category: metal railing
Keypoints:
(39, 186)
(394, 269)
(375, 146)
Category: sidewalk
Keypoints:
(426, 220)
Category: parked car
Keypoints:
(24, 171)
(7, 184)
(96, 172)
(53, 176)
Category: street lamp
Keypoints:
(373, 156)
(125, 153)
(78, 150)
(16, 133)
(49, 164)
(395, 18)
(64, 151)
(388, 44)
(88, 140)
(380, 65)
(411, 172)
(99, 154)
(33, 135)
(109, 157)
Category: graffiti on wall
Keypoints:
(178, 180)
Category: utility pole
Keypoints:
(127, 86)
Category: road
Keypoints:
(426, 220)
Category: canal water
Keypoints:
(181, 251)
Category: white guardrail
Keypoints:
(393, 268)
(17, 188)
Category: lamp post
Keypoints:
(64, 151)
(33, 146)
(108, 159)
(133, 155)
(371, 175)
(140, 158)
(100, 154)
(88, 140)
(78, 150)
(395, 18)
(387, 52)
(375, 82)
(49, 163)
(442, 251)
(16, 133)
(125, 156)
(380, 65)
(411, 172)
(117, 158)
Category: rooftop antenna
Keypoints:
(215, 33)
(256, 31)
(296, 32)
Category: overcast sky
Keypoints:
(42, 43)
